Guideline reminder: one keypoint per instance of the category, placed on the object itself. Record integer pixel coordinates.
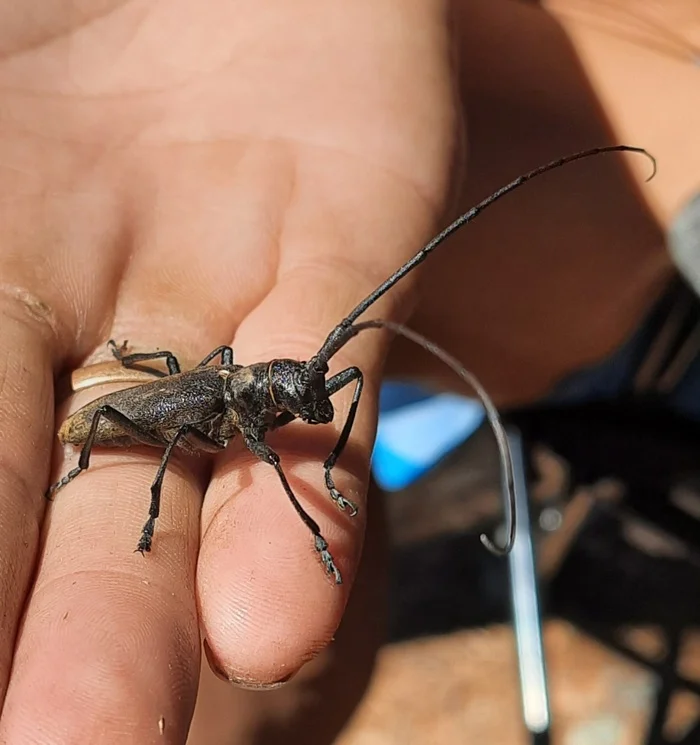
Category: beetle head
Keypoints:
(300, 388)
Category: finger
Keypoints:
(120, 628)
(26, 406)
(321, 698)
(265, 603)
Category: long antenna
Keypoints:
(339, 336)
(491, 415)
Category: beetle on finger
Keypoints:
(204, 408)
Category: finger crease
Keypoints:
(32, 311)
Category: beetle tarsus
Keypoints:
(327, 559)
(343, 504)
(146, 536)
(62, 482)
(118, 350)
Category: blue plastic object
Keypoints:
(416, 430)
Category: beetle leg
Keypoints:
(266, 454)
(226, 356)
(333, 386)
(157, 487)
(116, 417)
(129, 360)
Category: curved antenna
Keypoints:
(491, 414)
(340, 334)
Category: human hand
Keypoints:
(181, 176)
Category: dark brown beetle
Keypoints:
(203, 408)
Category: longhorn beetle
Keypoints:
(203, 408)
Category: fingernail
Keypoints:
(246, 683)
(249, 685)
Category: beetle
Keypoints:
(203, 408)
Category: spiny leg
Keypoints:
(333, 386)
(130, 360)
(226, 356)
(266, 454)
(114, 416)
(157, 487)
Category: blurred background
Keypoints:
(591, 634)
